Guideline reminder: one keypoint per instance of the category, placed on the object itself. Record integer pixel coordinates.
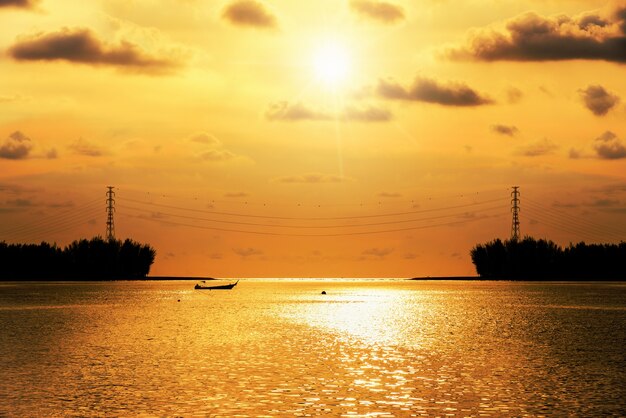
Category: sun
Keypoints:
(331, 63)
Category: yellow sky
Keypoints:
(358, 138)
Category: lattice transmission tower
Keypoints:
(515, 210)
(110, 210)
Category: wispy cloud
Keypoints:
(312, 178)
(507, 130)
(84, 147)
(294, 112)
(377, 252)
(245, 252)
(543, 147)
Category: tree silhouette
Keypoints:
(94, 259)
(531, 259)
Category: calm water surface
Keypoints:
(280, 348)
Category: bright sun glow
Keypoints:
(331, 63)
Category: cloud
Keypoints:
(249, 13)
(539, 148)
(294, 112)
(80, 45)
(598, 100)
(20, 203)
(514, 95)
(389, 194)
(312, 178)
(604, 203)
(431, 91)
(247, 252)
(83, 147)
(217, 155)
(505, 130)
(22, 4)
(16, 147)
(380, 11)
(366, 114)
(284, 111)
(205, 138)
(575, 154)
(10, 98)
(531, 37)
(609, 147)
(236, 194)
(377, 252)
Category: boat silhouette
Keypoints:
(203, 285)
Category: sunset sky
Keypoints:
(326, 138)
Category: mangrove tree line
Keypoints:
(94, 259)
(532, 259)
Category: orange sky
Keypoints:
(358, 138)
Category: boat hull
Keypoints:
(216, 287)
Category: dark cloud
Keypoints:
(431, 91)
(84, 147)
(380, 11)
(537, 149)
(285, 111)
(609, 147)
(249, 13)
(531, 37)
(312, 178)
(22, 4)
(82, 46)
(389, 194)
(505, 130)
(236, 194)
(16, 147)
(598, 100)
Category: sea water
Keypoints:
(282, 348)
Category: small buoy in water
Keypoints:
(323, 292)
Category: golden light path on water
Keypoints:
(282, 348)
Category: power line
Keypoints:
(313, 218)
(555, 222)
(28, 229)
(598, 229)
(574, 218)
(68, 213)
(307, 226)
(59, 227)
(312, 235)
